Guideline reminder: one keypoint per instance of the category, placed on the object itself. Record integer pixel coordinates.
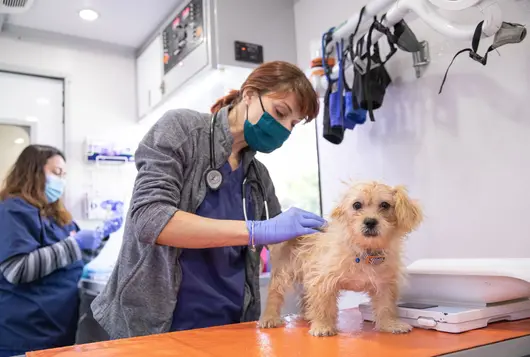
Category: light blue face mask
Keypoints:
(53, 188)
(267, 134)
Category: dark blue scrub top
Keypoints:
(44, 313)
(213, 279)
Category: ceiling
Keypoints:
(125, 23)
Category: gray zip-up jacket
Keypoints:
(171, 160)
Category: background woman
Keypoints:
(40, 255)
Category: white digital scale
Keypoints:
(457, 295)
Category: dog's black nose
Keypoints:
(370, 223)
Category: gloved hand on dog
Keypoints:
(287, 225)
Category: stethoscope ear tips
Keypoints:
(214, 179)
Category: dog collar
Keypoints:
(372, 257)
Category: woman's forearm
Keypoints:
(187, 230)
(25, 268)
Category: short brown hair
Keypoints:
(27, 179)
(277, 78)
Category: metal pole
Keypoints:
(345, 29)
(426, 12)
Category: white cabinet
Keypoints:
(149, 72)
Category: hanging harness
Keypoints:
(370, 83)
(353, 113)
(508, 33)
(332, 132)
(341, 110)
(347, 106)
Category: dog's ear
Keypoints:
(337, 213)
(408, 212)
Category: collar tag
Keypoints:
(374, 260)
(372, 257)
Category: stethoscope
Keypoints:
(214, 177)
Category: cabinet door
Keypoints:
(149, 73)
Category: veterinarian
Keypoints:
(40, 255)
(189, 258)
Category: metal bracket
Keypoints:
(421, 58)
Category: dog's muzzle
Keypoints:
(370, 227)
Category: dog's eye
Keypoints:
(357, 206)
(384, 205)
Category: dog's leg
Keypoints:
(302, 304)
(384, 306)
(321, 310)
(271, 317)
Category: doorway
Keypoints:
(31, 112)
(13, 139)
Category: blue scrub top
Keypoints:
(213, 279)
(44, 313)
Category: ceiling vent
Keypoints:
(15, 6)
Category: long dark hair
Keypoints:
(26, 180)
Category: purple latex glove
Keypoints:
(288, 225)
(110, 226)
(87, 239)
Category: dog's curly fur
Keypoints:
(370, 216)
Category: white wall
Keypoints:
(100, 104)
(465, 153)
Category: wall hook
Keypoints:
(421, 58)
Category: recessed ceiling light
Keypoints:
(88, 15)
(32, 119)
(43, 101)
(19, 141)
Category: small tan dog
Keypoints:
(360, 250)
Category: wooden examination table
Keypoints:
(357, 339)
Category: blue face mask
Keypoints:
(266, 135)
(53, 188)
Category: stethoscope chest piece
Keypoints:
(214, 179)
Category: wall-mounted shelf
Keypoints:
(105, 151)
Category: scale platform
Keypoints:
(457, 295)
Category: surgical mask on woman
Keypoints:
(53, 188)
(267, 134)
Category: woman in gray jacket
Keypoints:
(203, 207)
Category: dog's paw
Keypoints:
(322, 330)
(270, 322)
(393, 327)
